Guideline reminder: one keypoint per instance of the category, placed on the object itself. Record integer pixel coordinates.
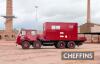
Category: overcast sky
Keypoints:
(49, 10)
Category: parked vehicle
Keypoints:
(60, 34)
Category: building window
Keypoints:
(0, 37)
(55, 27)
(13, 36)
(6, 35)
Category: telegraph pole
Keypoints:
(36, 17)
(36, 14)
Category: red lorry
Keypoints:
(60, 34)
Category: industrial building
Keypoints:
(8, 33)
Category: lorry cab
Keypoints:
(26, 34)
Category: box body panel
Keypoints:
(60, 31)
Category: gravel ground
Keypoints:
(12, 54)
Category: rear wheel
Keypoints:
(37, 44)
(25, 45)
(71, 44)
(60, 44)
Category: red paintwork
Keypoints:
(50, 34)
(18, 40)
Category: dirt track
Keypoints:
(10, 54)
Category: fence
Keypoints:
(91, 37)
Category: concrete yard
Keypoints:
(10, 54)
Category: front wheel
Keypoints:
(25, 45)
(37, 44)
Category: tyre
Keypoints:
(37, 45)
(25, 45)
(71, 44)
(60, 44)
